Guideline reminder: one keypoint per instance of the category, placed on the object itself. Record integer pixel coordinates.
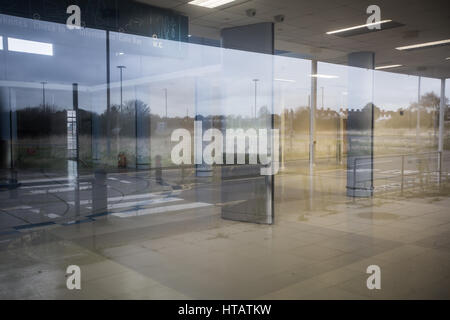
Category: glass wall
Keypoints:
(85, 110)
(92, 118)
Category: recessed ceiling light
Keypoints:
(27, 46)
(388, 66)
(324, 76)
(284, 80)
(210, 3)
(425, 45)
(359, 27)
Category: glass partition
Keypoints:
(85, 110)
(105, 125)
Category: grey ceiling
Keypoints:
(303, 30)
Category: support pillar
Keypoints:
(442, 107)
(360, 124)
(312, 116)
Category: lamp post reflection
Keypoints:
(256, 85)
(119, 116)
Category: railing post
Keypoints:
(403, 172)
(354, 177)
(440, 153)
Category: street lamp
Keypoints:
(322, 98)
(165, 95)
(121, 103)
(121, 92)
(256, 84)
(43, 94)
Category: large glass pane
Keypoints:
(96, 129)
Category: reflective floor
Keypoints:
(173, 244)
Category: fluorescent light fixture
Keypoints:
(27, 46)
(447, 58)
(284, 80)
(388, 66)
(1, 43)
(324, 76)
(358, 27)
(210, 3)
(425, 45)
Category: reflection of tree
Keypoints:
(39, 122)
(407, 117)
(430, 100)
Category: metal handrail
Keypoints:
(402, 169)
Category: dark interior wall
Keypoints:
(125, 16)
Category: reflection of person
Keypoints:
(158, 169)
(122, 160)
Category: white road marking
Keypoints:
(59, 190)
(51, 185)
(122, 181)
(53, 216)
(176, 207)
(18, 208)
(51, 179)
(124, 198)
(140, 203)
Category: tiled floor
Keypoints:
(318, 248)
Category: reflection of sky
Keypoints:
(391, 91)
(199, 79)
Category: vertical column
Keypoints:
(8, 132)
(418, 116)
(4, 129)
(204, 95)
(360, 124)
(250, 200)
(283, 128)
(108, 96)
(96, 134)
(77, 148)
(442, 107)
(312, 115)
(142, 127)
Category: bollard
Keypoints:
(158, 169)
(99, 192)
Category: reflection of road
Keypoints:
(50, 201)
(44, 202)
